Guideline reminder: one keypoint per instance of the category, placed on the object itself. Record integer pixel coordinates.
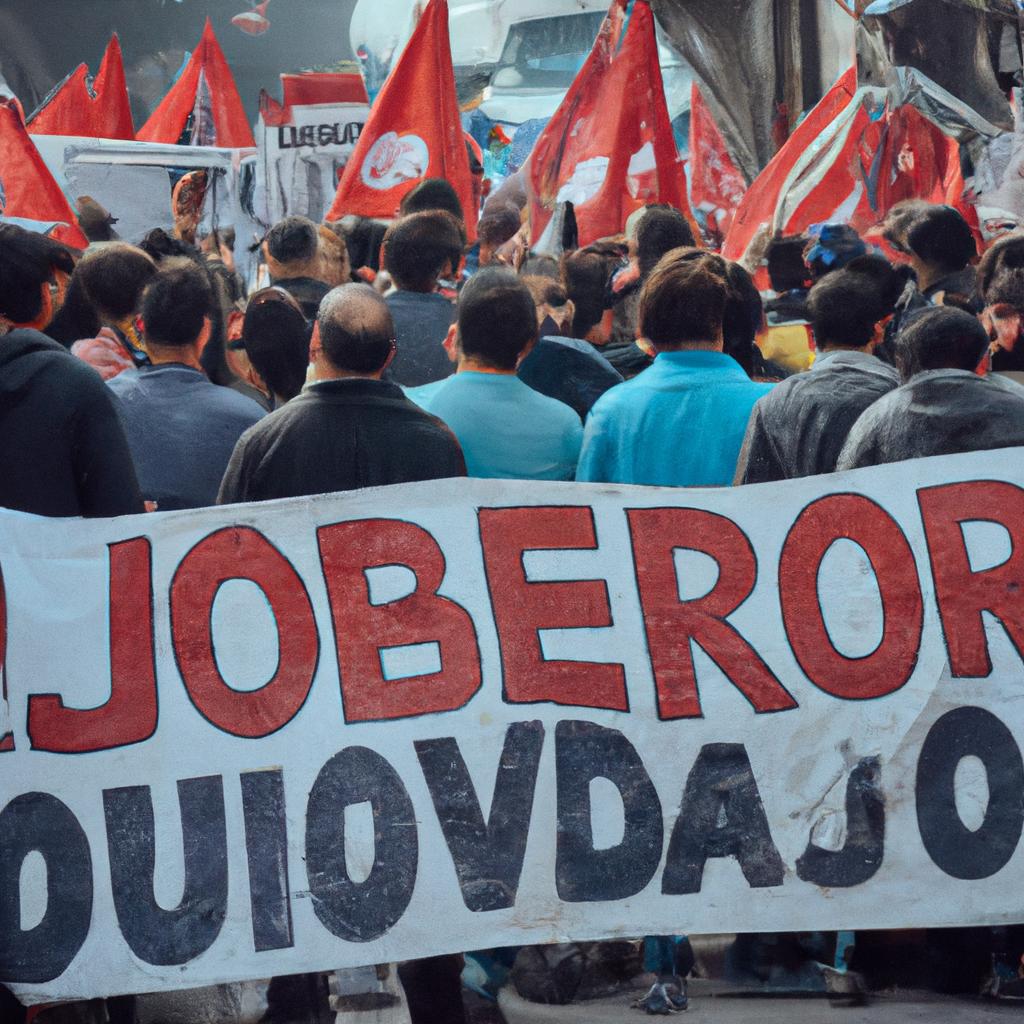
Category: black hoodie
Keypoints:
(63, 451)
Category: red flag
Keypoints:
(609, 148)
(758, 205)
(413, 132)
(206, 92)
(103, 113)
(716, 185)
(27, 189)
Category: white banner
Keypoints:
(375, 726)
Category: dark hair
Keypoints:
(433, 194)
(160, 245)
(498, 225)
(940, 338)
(787, 270)
(356, 329)
(114, 279)
(585, 274)
(27, 261)
(844, 308)
(940, 236)
(77, 317)
(1005, 253)
(890, 281)
(276, 337)
(175, 304)
(743, 317)
(684, 298)
(417, 247)
(497, 318)
(545, 290)
(899, 219)
(364, 237)
(293, 240)
(661, 229)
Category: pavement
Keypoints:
(715, 1002)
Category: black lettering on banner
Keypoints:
(488, 856)
(961, 853)
(360, 911)
(158, 936)
(583, 752)
(40, 822)
(266, 847)
(721, 816)
(862, 853)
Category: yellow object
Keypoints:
(790, 345)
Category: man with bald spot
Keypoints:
(348, 429)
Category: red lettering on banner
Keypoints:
(962, 593)
(672, 623)
(130, 715)
(7, 738)
(363, 630)
(889, 667)
(241, 553)
(523, 608)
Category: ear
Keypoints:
(45, 309)
(984, 368)
(646, 346)
(315, 347)
(254, 380)
(878, 335)
(526, 351)
(451, 343)
(204, 335)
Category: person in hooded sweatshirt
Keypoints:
(948, 402)
(63, 451)
(798, 429)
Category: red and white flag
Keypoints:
(28, 192)
(102, 112)
(414, 131)
(717, 186)
(206, 93)
(609, 148)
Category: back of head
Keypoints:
(114, 279)
(175, 305)
(498, 225)
(786, 267)
(940, 237)
(940, 338)
(276, 338)
(891, 281)
(899, 219)
(585, 274)
(433, 194)
(356, 330)
(497, 318)
(684, 299)
(743, 316)
(27, 262)
(160, 246)
(417, 249)
(293, 241)
(336, 268)
(661, 230)
(844, 308)
(1007, 253)
(834, 247)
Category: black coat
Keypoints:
(63, 451)
(798, 429)
(938, 412)
(340, 435)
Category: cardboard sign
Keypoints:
(367, 727)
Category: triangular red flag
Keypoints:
(759, 204)
(414, 131)
(609, 148)
(716, 184)
(28, 191)
(104, 113)
(206, 92)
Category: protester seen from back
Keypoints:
(64, 452)
(941, 247)
(506, 429)
(349, 428)
(681, 422)
(293, 255)
(585, 274)
(798, 429)
(945, 405)
(181, 427)
(788, 340)
(275, 339)
(433, 194)
(1001, 288)
(419, 250)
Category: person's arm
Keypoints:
(758, 462)
(233, 489)
(104, 472)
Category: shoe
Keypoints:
(675, 989)
(658, 1002)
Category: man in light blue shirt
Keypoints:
(506, 429)
(681, 422)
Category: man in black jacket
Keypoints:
(349, 429)
(799, 427)
(63, 451)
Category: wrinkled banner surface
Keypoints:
(367, 727)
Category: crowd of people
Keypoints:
(144, 377)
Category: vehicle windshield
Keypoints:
(547, 52)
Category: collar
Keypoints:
(856, 356)
(700, 359)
